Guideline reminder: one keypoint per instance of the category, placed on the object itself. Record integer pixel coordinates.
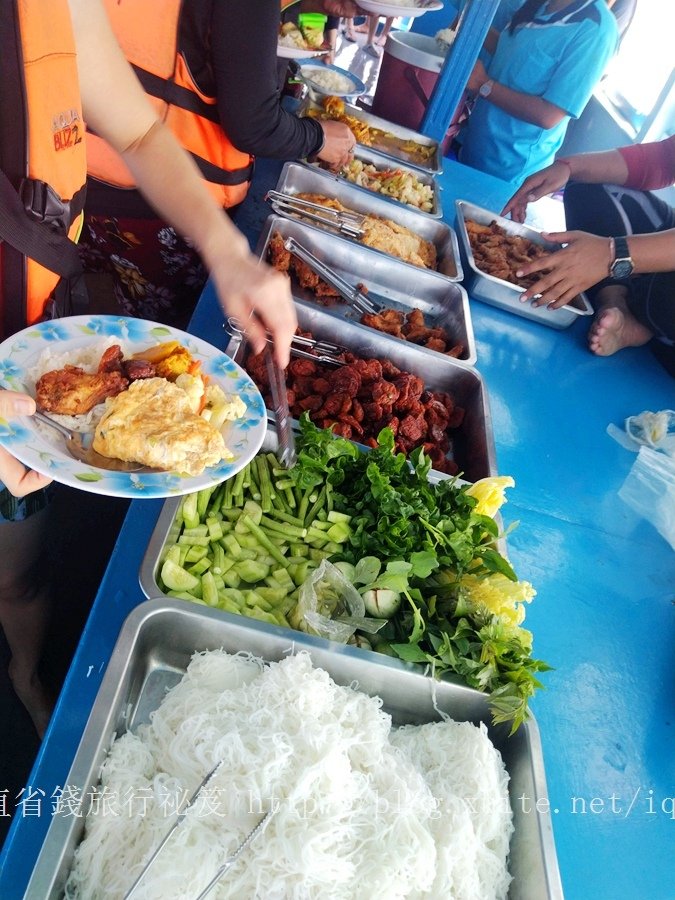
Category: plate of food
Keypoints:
(294, 43)
(136, 391)
(326, 80)
(409, 9)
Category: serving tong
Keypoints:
(301, 347)
(352, 295)
(345, 221)
(231, 859)
(287, 453)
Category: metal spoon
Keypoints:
(78, 451)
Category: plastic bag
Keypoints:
(649, 489)
(332, 607)
(649, 429)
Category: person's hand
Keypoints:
(548, 180)
(339, 143)
(477, 78)
(260, 298)
(583, 262)
(18, 480)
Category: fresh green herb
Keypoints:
(427, 538)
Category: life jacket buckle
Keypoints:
(43, 204)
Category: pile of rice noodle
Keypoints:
(87, 358)
(361, 810)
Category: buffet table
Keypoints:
(603, 617)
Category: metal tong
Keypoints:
(179, 820)
(345, 221)
(287, 454)
(324, 351)
(354, 297)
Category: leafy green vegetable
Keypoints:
(426, 538)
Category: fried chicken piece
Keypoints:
(389, 320)
(73, 392)
(111, 360)
(278, 256)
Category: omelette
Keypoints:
(154, 423)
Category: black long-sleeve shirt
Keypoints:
(230, 49)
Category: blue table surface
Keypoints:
(603, 615)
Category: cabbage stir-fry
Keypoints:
(395, 183)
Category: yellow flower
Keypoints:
(500, 596)
(489, 492)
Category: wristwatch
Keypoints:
(622, 265)
(486, 88)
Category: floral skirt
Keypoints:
(156, 274)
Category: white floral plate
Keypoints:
(407, 11)
(46, 453)
(284, 52)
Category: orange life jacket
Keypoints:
(42, 158)
(147, 31)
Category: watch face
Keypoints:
(485, 89)
(621, 268)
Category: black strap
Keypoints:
(49, 248)
(44, 244)
(216, 175)
(176, 95)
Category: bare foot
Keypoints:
(615, 328)
(32, 693)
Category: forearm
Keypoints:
(170, 181)
(606, 167)
(653, 252)
(527, 107)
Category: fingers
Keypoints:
(19, 480)
(265, 307)
(15, 404)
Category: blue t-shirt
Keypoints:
(559, 56)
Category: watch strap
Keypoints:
(621, 250)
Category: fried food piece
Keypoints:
(153, 423)
(71, 391)
(500, 254)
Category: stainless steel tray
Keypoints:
(388, 281)
(296, 178)
(381, 161)
(435, 162)
(474, 450)
(503, 294)
(151, 655)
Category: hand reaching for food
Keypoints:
(540, 184)
(583, 262)
(338, 146)
(18, 480)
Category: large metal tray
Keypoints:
(151, 655)
(388, 280)
(503, 294)
(435, 162)
(296, 178)
(473, 441)
(371, 157)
